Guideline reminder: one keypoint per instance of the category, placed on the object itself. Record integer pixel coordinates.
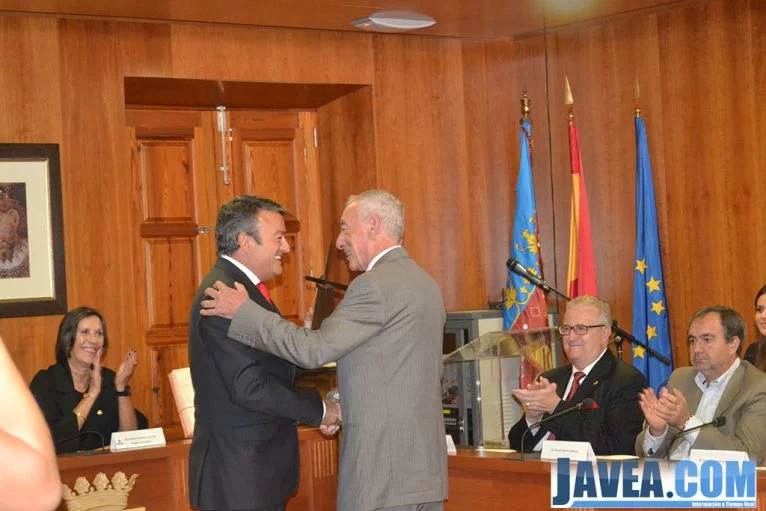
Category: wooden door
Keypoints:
(178, 189)
(274, 156)
(175, 203)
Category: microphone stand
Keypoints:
(620, 335)
(585, 404)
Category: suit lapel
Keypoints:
(603, 367)
(561, 378)
(732, 390)
(238, 275)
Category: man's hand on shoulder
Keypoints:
(223, 300)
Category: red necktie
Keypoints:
(264, 291)
(578, 376)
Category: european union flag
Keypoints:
(650, 315)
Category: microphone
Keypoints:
(81, 434)
(585, 404)
(716, 423)
(516, 267)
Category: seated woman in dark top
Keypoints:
(756, 352)
(77, 395)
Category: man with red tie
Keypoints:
(244, 454)
(614, 420)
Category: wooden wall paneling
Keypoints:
(756, 239)
(30, 97)
(604, 113)
(424, 159)
(270, 55)
(708, 57)
(97, 187)
(602, 64)
(347, 164)
(486, 206)
(685, 59)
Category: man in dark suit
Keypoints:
(386, 335)
(244, 454)
(614, 420)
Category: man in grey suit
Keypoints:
(386, 335)
(719, 385)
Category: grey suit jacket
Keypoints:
(386, 336)
(743, 404)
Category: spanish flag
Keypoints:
(581, 275)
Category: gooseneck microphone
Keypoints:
(585, 404)
(79, 435)
(715, 423)
(519, 269)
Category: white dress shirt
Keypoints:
(711, 396)
(587, 369)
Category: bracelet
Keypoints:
(89, 394)
(78, 414)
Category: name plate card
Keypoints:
(575, 451)
(717, 455)
(451, 449)
(139, 439)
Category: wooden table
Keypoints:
(488, 481)
(162, 484)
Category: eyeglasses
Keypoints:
(578, 329)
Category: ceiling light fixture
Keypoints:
(394, 21)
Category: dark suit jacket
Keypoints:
(612, 427)
(244, 454)
(55, 393)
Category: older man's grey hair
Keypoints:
(604, 311)
(386, 206)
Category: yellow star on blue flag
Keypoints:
(648, 294)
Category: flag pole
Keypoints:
(525, 110)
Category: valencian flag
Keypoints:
(524, 303)
(650, 315)
(581, 275)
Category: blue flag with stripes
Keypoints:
(524, 304)
(650, 314)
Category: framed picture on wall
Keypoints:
(32, 272)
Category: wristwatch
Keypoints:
(125, 392)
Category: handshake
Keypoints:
(333, 418)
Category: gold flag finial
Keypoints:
(637, 95)
(525, 106)
(568, 100)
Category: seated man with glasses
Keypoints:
(614, 419)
